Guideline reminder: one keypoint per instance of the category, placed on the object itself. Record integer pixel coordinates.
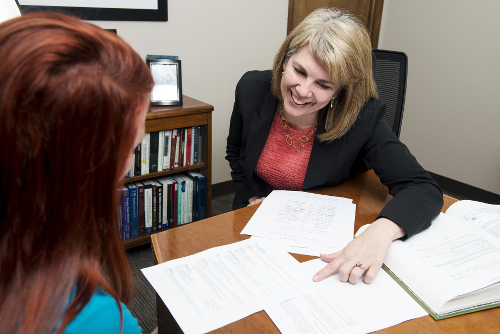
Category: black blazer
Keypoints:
(417, 197)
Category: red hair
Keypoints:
(70, 96)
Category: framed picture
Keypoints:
(167, 90)
(105, 10)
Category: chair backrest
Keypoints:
(390, 69)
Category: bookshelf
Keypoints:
(191, 113)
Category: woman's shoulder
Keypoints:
(101, 315)
(372, 110)
(259, 78)
(257, 75)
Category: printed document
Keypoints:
(304, 223)
(336, 307)
(218, 286)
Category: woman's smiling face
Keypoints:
(306, 86)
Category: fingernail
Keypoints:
(315, 278)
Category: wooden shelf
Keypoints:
(191, 113)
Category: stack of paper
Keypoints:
(218, 286)
(304, 223)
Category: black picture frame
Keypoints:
(167, 74)
(105, 14)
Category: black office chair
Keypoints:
(390, 69)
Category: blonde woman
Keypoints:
(311, 121)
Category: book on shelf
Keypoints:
(182, 158)
(189, 198)
(120, 214)
(166, 149)
(201, 195)
(181, 194)
(134, 220)
(137, 163)
(140, 209)
(131, 172)
(175, 206)
(125, 213)
(173, 146)
(161, 149)
(159, 205)
(189, 138)
(200, 143)
(148, 207)
(153, 151)
(194, 148)
(177, 148)
(145, 154)
(194, 196)
(453, 267)
(166, 182)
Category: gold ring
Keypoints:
(360, 265)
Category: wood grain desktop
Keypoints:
(369, 195)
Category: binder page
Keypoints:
(483, 215)
(304, 223)
(337, 307)
(218, 286)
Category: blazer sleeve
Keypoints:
(251, 91)
(417, 198)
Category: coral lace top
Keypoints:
(279, 165)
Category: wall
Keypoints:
(217, 41)
(451, 115)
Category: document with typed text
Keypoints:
(218, 286)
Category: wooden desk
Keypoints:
(368, 194)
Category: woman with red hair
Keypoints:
(73, 100)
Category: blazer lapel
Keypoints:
(321, 161)
(259, 130)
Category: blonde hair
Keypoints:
(342, 44)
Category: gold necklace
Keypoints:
(296, 142)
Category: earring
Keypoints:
(331, 102)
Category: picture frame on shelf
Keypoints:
(106, 10)
(167, 75)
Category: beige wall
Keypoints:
(452, 115)
(217, 41)
(451, 118)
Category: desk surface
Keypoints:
(368, 194)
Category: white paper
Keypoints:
(120, 4)
(304, 223)
(8, 10)
(483, 215)
(218, 286)
(337, 307)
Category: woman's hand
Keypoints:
(363, 255)
(255, 200)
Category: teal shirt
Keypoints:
(101, 315)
